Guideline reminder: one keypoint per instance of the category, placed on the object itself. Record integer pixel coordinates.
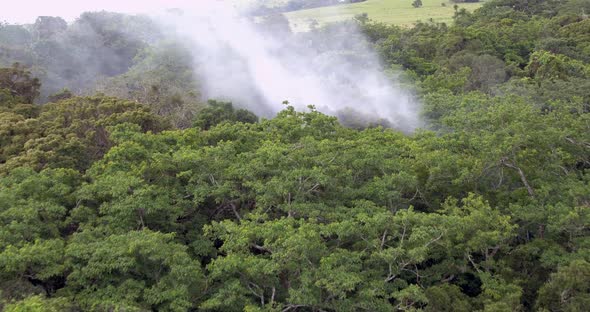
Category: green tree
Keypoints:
(218, 112)
(161, 77)
(18, 81)
(567, 289)
(71, 133)
(137, 270)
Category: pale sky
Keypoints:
(26, 11)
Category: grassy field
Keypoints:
(398, 12)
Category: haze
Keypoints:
(26, 11)
(259, 68)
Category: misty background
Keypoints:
(176, 59)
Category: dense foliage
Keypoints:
(107, 206)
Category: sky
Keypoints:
(26, 11)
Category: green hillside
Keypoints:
(398, 12)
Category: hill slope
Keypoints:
(398, 12)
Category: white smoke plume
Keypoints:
(259, 68)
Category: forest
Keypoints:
(123, 187)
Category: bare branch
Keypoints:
(235, 210)
(448, 279)
(383, 239)
(523, 178)
(434, 240)
(473, 263)
(583, 144)
(261, 295)
(293, 306)
(501, 178)
(401, 242)
(261, 248)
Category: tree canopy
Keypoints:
(108, 204)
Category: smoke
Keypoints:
(260, 64)
(77, 55)
(257, 63)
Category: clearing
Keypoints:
(397, 12)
